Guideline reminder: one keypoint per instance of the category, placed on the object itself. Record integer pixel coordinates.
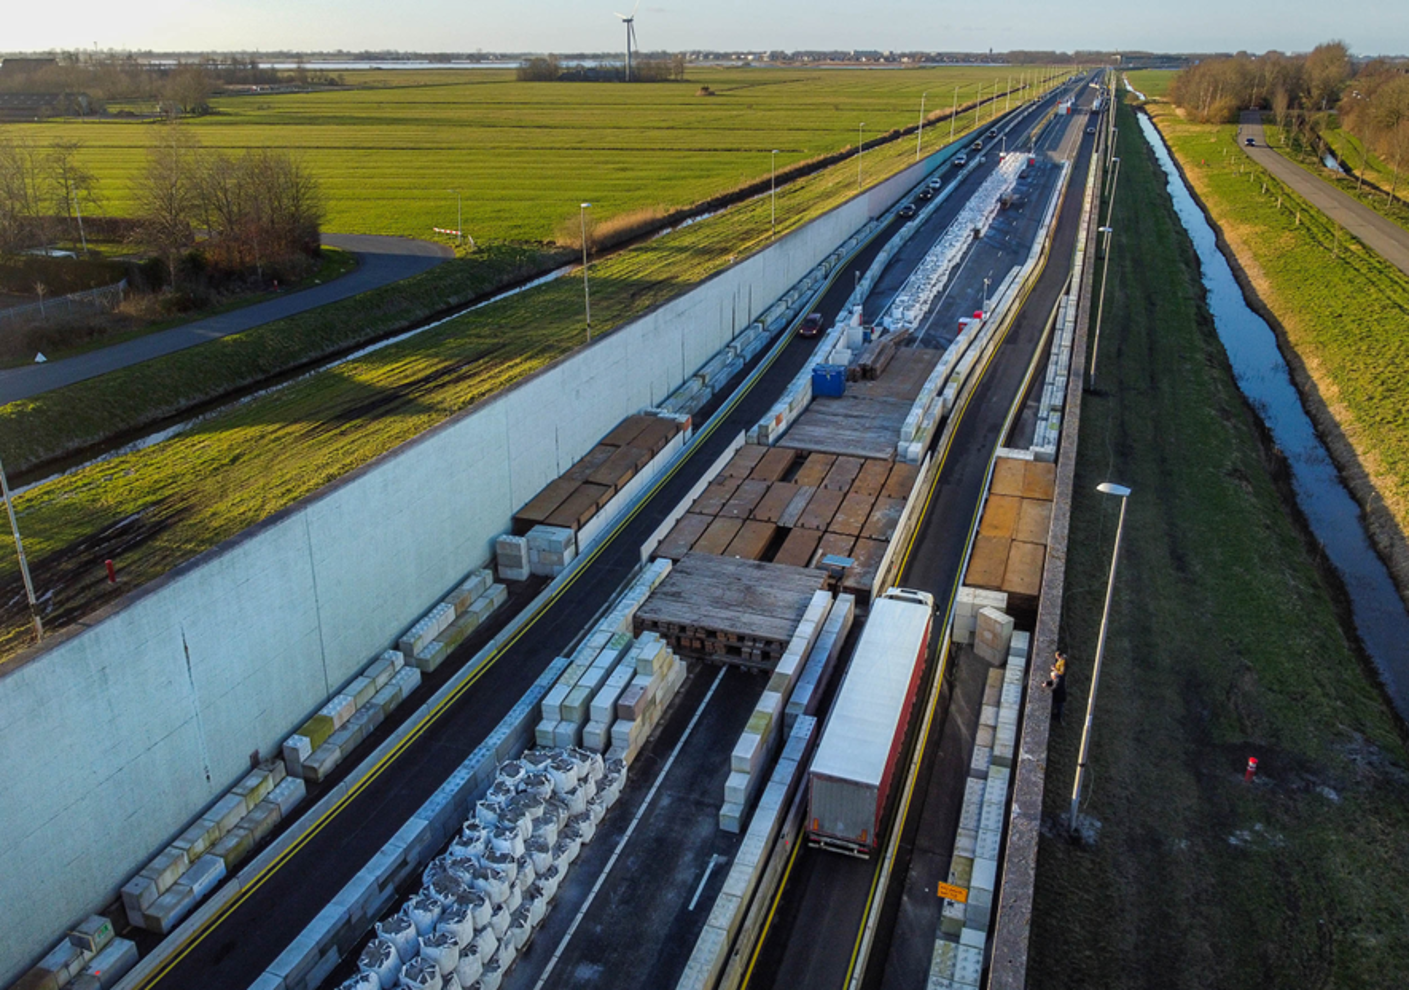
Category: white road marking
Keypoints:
(626, 836)
(709, 868)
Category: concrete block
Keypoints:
(199, 837)
(112, 963)
(361, 690)
(430, 657)
(227, 812)
(287, 794)
(169, 910)
(263, 819)
(985, 874)
(233, 847)
(204, 875)
(988, 842)
(982, 759)
(297, 748)
(952, 917)
(546, 732)
(992, 634)
(252, 788)
(964, 841)
(988, 715)
(138, 894)
(736, 788)
(167, 868)
(731, 818)
(968, 963)
(63, 962)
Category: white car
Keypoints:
(961, 161)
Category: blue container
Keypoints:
(829, 381)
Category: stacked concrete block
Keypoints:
(1010, 702)
(646, 655)
(397, 682)
(748, 762)
(575, 708)
(90, 945)
(472, 609)
(550, 550)
(511, 558)
(821, 660)
(967, 604)
(184, 873)
(426, 629)
(993, 629)
(642, 703)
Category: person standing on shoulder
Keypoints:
(1057, 683)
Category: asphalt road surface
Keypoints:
(381, 261)
(1385, 237)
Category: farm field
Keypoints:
(1342, 308)
(1154, 83)
(1224, 644)
(158, 507)
(524, 155)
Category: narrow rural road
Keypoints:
(1386, 238)
(381, 261)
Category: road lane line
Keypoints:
(626, 836)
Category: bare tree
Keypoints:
(22, 188)
(72, 186)
(166, 194)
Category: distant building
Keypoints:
(11, 67)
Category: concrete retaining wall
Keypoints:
(122, 729)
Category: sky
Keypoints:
(1376, 26)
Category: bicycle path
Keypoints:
(1386, 238)
(381, 261)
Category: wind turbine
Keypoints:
(630, 22)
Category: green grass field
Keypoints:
(1343, 308)
(1154, 83)
(1350, 149)
(156, 508)
(525, 154)
(1224, 645)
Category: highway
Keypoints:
(814, 934)
(666, 859)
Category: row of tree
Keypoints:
(1372, 99)
(550, 69)
(43, 192)
(255, 210)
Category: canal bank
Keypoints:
(1224, 645)
(1359, 537)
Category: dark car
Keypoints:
(993, 132)
(1252, 142)
(811, 326)
(926, 194)
(907, 211)
(1090, 130)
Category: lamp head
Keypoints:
(1111, 488)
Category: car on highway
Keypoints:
(926, 194)
(977, 145)
(907, 211)
(961, 161)
(993, 132)
(1090, 130)
(811, 326)
(936, 182)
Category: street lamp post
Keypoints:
(773, 191)
(1105, 488)
(1115, 180)
(953, 114)
(1100, 305)
(860, 147)
(459, 219)
(985, 298)
(920, 131)
(19, 548)
(1008, 94)
(586, 290)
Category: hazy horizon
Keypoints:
(726, 25)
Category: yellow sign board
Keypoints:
(952, 893)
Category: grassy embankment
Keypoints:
(1342, 307)
(1224, 644)
(1350, 150)
(524, 155)
(158, 507)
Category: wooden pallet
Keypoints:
(729, 610)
